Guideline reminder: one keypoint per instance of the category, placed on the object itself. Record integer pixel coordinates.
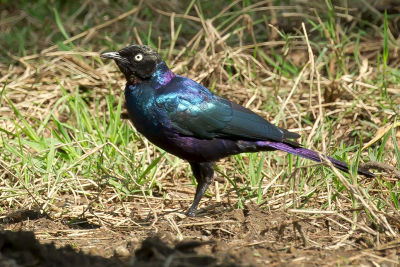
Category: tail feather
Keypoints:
(312, 155)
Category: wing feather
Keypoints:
(195, 111)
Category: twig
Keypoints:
(207, 223)
(380, 166)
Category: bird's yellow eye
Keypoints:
(138, 57)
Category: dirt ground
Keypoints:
(218, 237)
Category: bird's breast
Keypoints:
(145, 115)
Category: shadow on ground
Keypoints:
(249, 237)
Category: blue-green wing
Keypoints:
(195, 111)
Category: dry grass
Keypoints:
(332, 78)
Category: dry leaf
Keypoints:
(381, 132)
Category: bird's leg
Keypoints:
(204, 173)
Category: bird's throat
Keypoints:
(132, 80)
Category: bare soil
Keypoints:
(249, 237)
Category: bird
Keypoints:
(185, 119)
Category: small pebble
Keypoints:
(180, 216)
(292, 249)
(239, 215)
(242, 236)
(94, 252)
(121, 251)
(206, 232)
(134, 240)
(218, 247)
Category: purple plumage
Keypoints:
(309, 154)
(185, 119)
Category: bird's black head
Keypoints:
(136, 62)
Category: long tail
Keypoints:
(309, 154)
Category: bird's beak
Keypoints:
(116, 56)
(111, 55)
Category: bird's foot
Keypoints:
(191, 213)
